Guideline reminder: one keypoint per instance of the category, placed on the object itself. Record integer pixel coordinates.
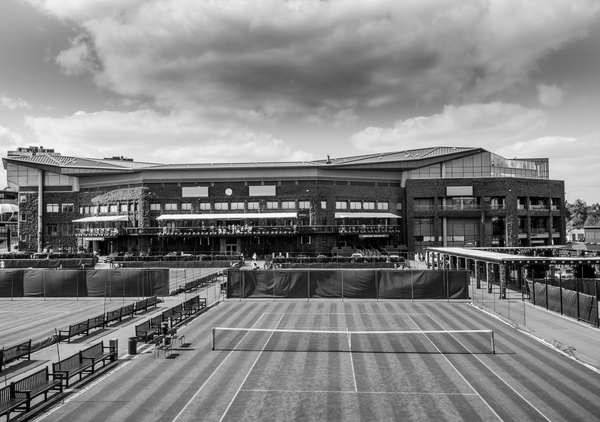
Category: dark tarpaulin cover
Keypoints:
(554, 298)
(11, 283)
(540, 295)
(33, 283)
(385, 284)
(68, 283)
(326, 284)
(128, 282)
(587, 310)
(569, 298)
(274, 284)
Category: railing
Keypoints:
(538, 207)
(261, 230)
(98, 232)
(495, 207)
(459, 207)
(424, 207)
(539, 230)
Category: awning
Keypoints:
(102, 219)
(228, 216)
(366, 215)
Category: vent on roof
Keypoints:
(119, 158)
(328, 160)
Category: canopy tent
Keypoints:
(366, 215)
(229, 216)
(6, 209)
(107, 218)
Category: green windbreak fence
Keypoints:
(36, 282)
(350, 284)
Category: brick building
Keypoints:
(398, 201)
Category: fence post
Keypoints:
(560, 293)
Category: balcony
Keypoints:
(99, 232)
(460, 207)
(538, 207)
(495, 207)
(424, 207)
(538, 230)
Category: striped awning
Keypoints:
(104, 218)
(229, 216)
(366, 215)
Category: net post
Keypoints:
(493, 343)
(213, 338)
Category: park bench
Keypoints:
(141, 305)
(9, 402)
(113, 316)
(96, 322)
(35, 385)
(146, 331)
(74, 330)
(128, 310)
(73, 365)
(177, 314)
(99, 353)
(15, 352)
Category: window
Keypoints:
(51, 229)
(124, 207)
(304, 205)
(253, 206)
(103, 208)
(341, 205)
(94, 210)
(22, 217)
(133, 207)
(237, 206)
(67, 230)
(305, 240)
(81, 210)
(399, 206)
(154, 207)
(171, 207)
(51, 207)
(186, 206)
(272, 205)
(355, 205)
(67, 208)
(288, 205)
(382, 206)
(86, 210)
(323, 205)
(22, 198)
(113, 208)
(221, 206)
(205, 206)
(368, 205)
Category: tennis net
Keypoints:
(447, 342)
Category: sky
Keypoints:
(182, 81)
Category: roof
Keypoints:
(503, 258)
(71, 165)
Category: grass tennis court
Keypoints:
(279, 376)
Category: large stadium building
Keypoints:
(385, 202)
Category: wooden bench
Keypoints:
(99, 353)
(96, 322)
(9, 402)
(15, 352)
(113, 316)
(74, 330)
(146, 331)
(73, 365)
(128, 310)
(141, 305)
(35, 385)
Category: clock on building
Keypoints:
(228, 191)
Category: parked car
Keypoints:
(113, 257)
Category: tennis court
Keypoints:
(320, 372)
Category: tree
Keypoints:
(579, 213)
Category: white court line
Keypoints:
(344, 313)
(214, 372)
(352, 361)
(250, 371)
(407, 393)
(498, 376)
(460, 374)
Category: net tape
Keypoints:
(411, 341)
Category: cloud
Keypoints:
(549, 95)
(12, 103)
(79, 58)
(572, 159)
(173, 137)
(295, 57)
(490, 125)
